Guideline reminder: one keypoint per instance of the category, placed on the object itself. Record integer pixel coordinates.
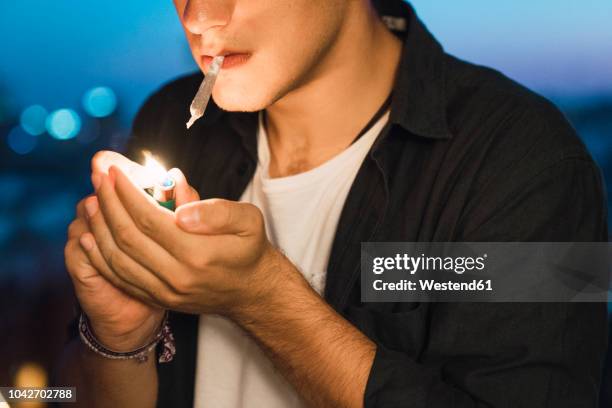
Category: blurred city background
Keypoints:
(73, 74)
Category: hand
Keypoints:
(222, 265)
(120, 321)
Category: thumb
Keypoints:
(218, 216)
(183, 192)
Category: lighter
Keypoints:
(160, 184)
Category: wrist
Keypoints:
(141, 354)
(274, 281)
(127, 340)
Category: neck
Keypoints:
(319, 119)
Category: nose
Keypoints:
(201, 15)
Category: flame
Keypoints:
(155, 170)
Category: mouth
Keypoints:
(232, 59)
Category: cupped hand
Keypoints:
(211, 256)
(119, 320)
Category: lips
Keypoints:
(232, 59)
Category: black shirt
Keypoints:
(468, 155)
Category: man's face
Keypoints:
(272, 46)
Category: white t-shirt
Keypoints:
(301, 214)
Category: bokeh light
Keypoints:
(20, 141)
(31, 374)
(63, 124)
(100, 101)
(33, 119)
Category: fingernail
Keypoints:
(95, 181)
(86, 242)
(190, 217)
(91, 206)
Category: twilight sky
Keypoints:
(53, 51)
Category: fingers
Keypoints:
(87, 264)
(77, 263)
(144, 292)
(118, 268)
(75, 259)
(217, 216)
(184, 193)
(148, 233)
(80, 208)
(103, 160)
(77, 228)
(138, 175)
(118, 236)
(154, 221)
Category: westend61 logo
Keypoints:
(413, 264)
(485, 271)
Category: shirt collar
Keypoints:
(419, 102)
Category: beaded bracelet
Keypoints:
(140, 354)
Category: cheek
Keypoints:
(286, 44)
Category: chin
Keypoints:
(240, 99)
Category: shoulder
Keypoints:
(521, 161)
(509, 130)
(502, 109)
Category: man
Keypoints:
(333, 130)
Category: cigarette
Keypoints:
(200, 101)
